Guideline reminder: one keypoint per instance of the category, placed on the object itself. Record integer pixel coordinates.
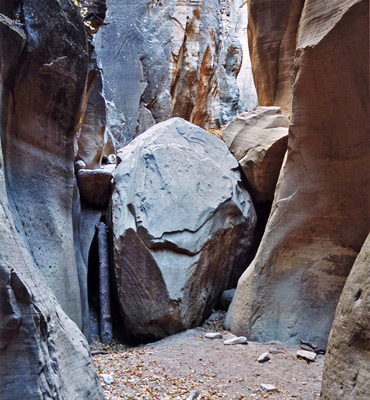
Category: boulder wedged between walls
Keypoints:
(182, 226)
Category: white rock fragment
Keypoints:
(236, 340)
(306, 355)
(263, 357)
(193, 395)
(268, 387)
(213, 335)
(108, 379)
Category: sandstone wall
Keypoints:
(173, 58)
(347, 360)
(44, 110)
(272, 34)
(43, 354)
(320, 215)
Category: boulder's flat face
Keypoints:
(320, 215)
(173, 58)
(47, 92)
(178, 238)
(347, 360)
(258, 139)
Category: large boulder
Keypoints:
(46, 96)
(182, 225)
(347, 360)
(258, 139)
(320, 215)
(172, 58)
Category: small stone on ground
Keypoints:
(263, 357)
(268, 387)
(236, 340)
(213, 335)
(306, 355)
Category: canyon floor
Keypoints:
(180, 365)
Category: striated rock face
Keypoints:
(347, 360)
(44, 105)
(320, 215)
(272, 36)
(258, 139)
(173, 58)
(178, 238)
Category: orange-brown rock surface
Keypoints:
(320, 215)
(272, 33)
(347, 360)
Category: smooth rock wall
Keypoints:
(43, 353)
(272, 37)
(347, 360)
(44, 111)
(320, 215)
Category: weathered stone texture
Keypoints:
(347, 360)
(320, 215)
(272, 35)
(174, 58)
(258, 139)
(182, 227)
(45, 107)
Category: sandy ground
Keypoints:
(182, 364)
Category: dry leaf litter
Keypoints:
(190, 366)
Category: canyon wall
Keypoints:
(347, 360)
(43, 353)
(272, 33)
(320, 214)
(173, 58)
(43, 112)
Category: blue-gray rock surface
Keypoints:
(182, 226)
(172, 58)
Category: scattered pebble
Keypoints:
(213, 335)
(193, 395)
(263, 357)
(108, 379)
(274, 350)
(268, 387)
(306, 355)
(236, 340)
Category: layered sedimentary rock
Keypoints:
(178, 238)
(258, 139)
(173, 58)
(347, 360)
(272, 36)
(44, 110)
(320, 215)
